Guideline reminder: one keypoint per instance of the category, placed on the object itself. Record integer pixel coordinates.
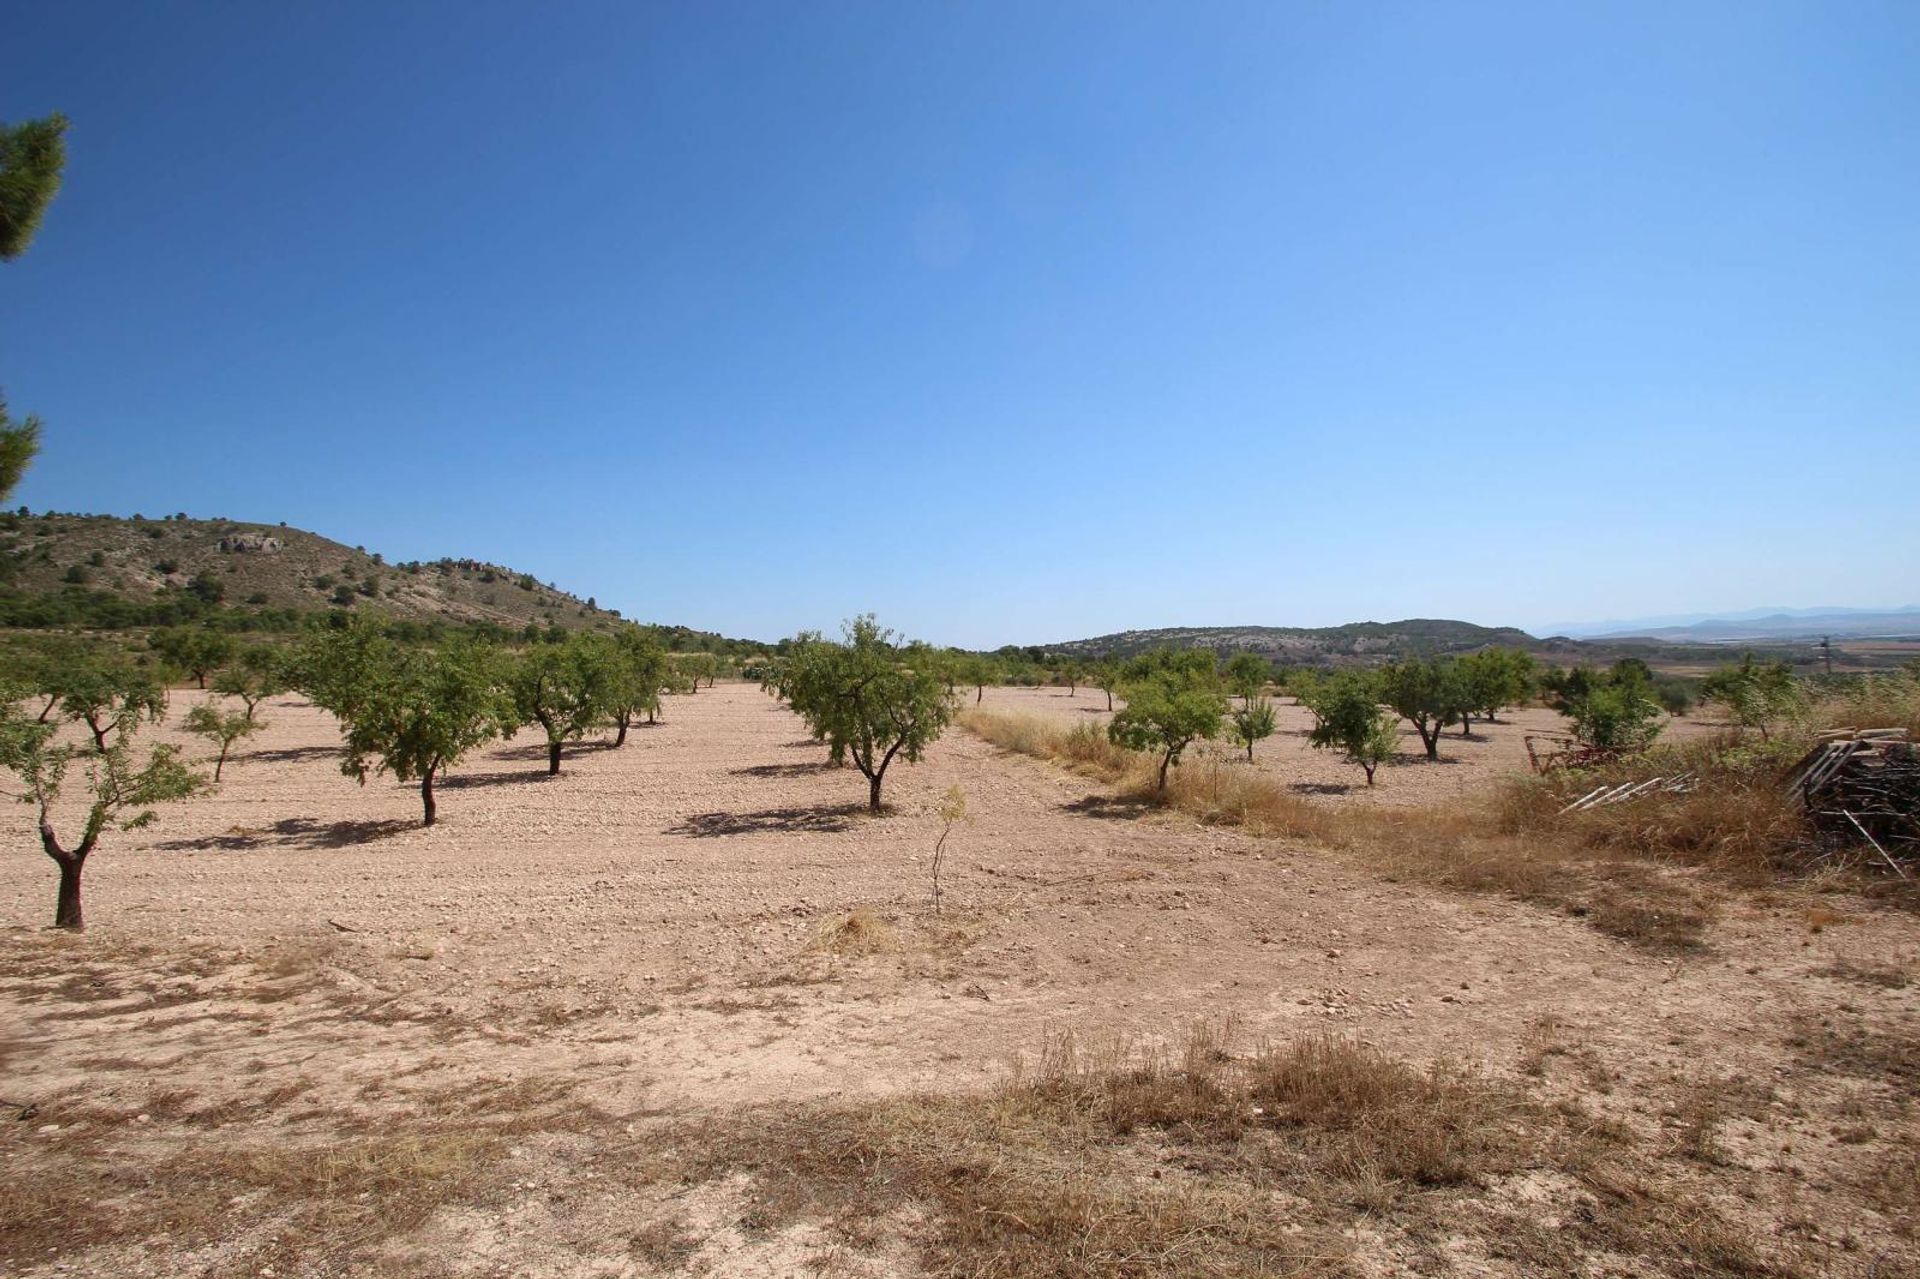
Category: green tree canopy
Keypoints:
(1173, 699)
(195, 650)
(19, 443)
(1349, 718)
(641, 673)
(865, 700)
(1252, 721)
(121, 791)
(1428, 693)
(1247, 675)
(222, 728)
(259, 671)
(1755, 693)
(420, 710)
(1496, 678)
(33, 155)
(567, 688)
(112, 697)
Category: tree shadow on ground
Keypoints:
(797, 821)
(1111, 808)
(518, 777)
(295, 832)
(289, 755)
(783, 770)
(539, 750)
(1323, 788)
(807, 744)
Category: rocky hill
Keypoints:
(85, 563)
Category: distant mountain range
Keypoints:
(1763, 624)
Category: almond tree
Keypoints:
(421, 711)
(1107, 675)
(259, 672)
(112, 697)
(1429, 693)
(641, 672)
(1349, 717)
(567, 688)
(1252, 722)
(864, 700)
(121, 792)
(1173, 699)
(223, 729)
(1497, 678)
(1247, 675)
(194, 649)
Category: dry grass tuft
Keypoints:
(859, 932)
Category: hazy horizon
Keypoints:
(1009, 324)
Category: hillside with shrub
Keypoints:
(111, 573)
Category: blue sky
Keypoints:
(1011, 322)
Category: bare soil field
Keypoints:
(1486, 752)
(686, 1008)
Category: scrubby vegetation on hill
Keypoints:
(103, 572)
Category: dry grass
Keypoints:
(1194, 1160)
(1626, 869)
(858, 932)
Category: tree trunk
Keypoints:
(979, 693)
(66, 907)
(1165, 762)
(651, 712)
(553, 758)
(222, 761)
(99, 736)
(620, 738)
(873, 792)
(1430, 738)
(1109, 701)
(66, 910)
(202, 677)
(426, 798)
(1369, 768)
(1249, 752)
(48, 708)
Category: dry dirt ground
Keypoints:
(288, 988)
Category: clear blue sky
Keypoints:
(1012, 322)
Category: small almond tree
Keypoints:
(1755, 693)
(1173, 699)
(1350, 718)
(122, 789)
(953, 808)
(1107, 674)
(1252, 722)
(222, 728)
(257, 673)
